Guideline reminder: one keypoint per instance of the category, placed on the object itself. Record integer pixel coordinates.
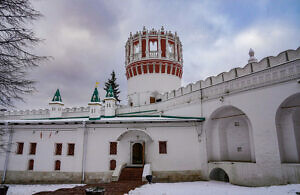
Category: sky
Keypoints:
(86, 40)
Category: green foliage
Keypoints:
(112, 82)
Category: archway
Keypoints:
(288, 129)
(137, 153)
(230, 136)
(218, 174)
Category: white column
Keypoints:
(167, 46)
(147, 45)
(159, 46)
(175, 49)
(131, 50)
(140, 46)
(8, 149)
(84, 150)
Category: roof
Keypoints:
(57, 97)
(95, 96)
(110, 92)
(115, 119)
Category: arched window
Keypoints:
(57, 165)
(30, 164)
(112, 165)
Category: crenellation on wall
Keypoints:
(217, 79)
(230, 75)
(196, 86)
(279, 59)
(178, 92)
(187, 89)
(244, 71)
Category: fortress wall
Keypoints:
(249, 76)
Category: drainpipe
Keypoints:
(85, 137)
(10, 131)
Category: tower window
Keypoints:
(153, 45)
(71, 148)
(20, 148)
(32, 150)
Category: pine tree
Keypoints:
(112, 82)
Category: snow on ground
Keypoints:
(212, 188)
(31, 189)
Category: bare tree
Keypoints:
(16, 43)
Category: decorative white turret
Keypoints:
(154, 64)
(95, 105)
(251, 56)
(110, 103)
(56, 105)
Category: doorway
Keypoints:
(138, 153)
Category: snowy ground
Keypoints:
(31, 189)
(212, 188)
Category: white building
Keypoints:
(242, 125)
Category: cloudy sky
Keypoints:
(86, 39)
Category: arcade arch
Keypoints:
(288, 129)
(229, 134)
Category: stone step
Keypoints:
(131, 173)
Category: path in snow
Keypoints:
(31, 189)
(212, 188)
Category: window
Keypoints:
(152, 100)
(163, 147)
(30, 164)
(20, 148)
(57, 165)
(58, 148)
(153, 45)
(113, 148)
(71, 148)
(32, 148)
(112, 165)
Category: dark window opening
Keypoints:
(163, 147)
(71, 148)
(113, 148)
(58, 149)
(112, 165)
(20, 148)
(30, 164)
(152, 100)
(57, 165)
(32, 150)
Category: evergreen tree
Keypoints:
(112, 82)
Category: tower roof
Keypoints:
(110, 92)
(95, 96)
(57, 97)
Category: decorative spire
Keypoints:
(251, 56)
(56, 97)
(95, 96)
(110, 92)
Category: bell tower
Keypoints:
(154, 64)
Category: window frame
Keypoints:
(32, 148)
(162, 147)
(30, 165)
(56, 149)
(20, 150)
(71, 152)
(112, 150)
